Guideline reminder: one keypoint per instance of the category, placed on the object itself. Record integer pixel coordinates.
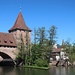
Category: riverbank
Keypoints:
(36, 67)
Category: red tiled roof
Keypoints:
(7, 39)
(19, 24)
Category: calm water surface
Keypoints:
(29, 71)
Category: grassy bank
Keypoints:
(37, 67)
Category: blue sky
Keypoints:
(39, 13)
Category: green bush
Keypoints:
(41, 63)
(45, 64)
(72, 58)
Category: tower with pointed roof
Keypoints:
(18, 34)
(20, 29)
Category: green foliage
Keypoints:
(52, 34)
(70, 50)
(41, 48)
(72, 57)
(45, 63)
(35, 53)
(41, 63)
(72, 53)
(41, 35)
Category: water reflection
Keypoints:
(29, 71)
(62, 71)
(6, 70)
(22, 71)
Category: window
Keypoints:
(5, 41)
(11, 42)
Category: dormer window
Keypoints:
(5, 41)
(11, 42)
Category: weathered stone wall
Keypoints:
(12, 52)
(25, 35)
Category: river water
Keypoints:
(29, 71)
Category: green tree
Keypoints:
(41, 35)
(72, 54)
(70, 50)
(39, 47)
(35, 53)
(42, 45)
(24, 49)
(35, 36)
(52, 32)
